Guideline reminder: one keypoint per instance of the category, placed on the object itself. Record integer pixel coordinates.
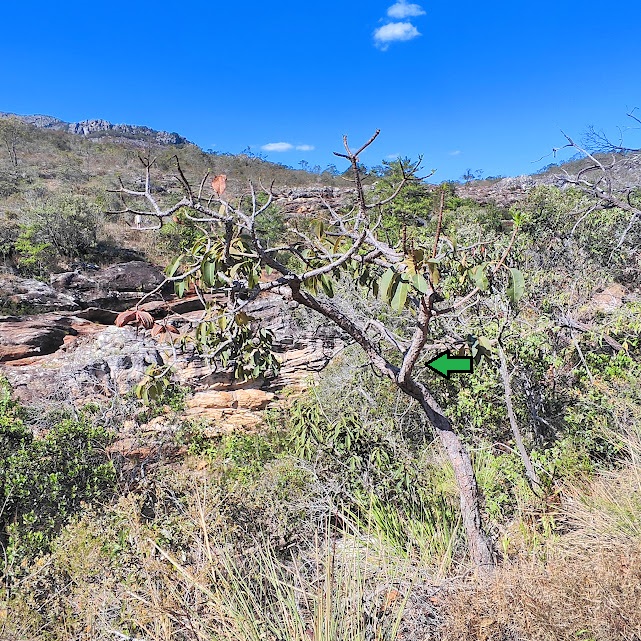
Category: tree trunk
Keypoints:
(480, 547)
(479, 544)
(530, 472)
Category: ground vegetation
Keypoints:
(342, 516)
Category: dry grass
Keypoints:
(587, 587)
(184, 576)
(588, 596)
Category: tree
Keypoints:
(411, 207)
(12, 133)
(67, 223)
(609, 177)
(315, 266)
(470, 175)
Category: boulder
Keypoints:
(32, 336)
(134, 276)
(75, 281)
(33, 295)
(112, 289)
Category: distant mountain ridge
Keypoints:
(501, 191)
(97, 128)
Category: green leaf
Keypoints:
(311, 284)
(208, 270)
(479, 277)
(517, 286)
(327, 285)
(253, 276)
(420, 283)
(385, 282)
(319, 229)
(172, 268)
(435, 274)
(400, 295)
(179, 288)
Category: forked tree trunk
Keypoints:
(479, 545)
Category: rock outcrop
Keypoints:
(504, 192)
(113, 288)
(28, 293)
(36, 336)
(65, 357)
(311, 200)
(98, 128)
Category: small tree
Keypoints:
(424, 287)
(13, 132)
(68, 223)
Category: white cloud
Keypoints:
(402, 10)
(456, 152)
(394, 32)
(392, 156)
(286, 146)
(277, 146)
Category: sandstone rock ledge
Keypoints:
(63, 357)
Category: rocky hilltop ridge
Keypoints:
(98, 128)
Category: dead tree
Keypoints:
(610, 177)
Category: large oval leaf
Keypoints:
(420, 283)
(385, 284)
(517, 286)
(172, 268)
(208, 270)
(400, 295)
(479, 277)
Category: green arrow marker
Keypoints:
(445, 364)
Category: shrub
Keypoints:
(33, 256)
(67, 223)
(44, 482)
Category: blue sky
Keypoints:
(473, 85)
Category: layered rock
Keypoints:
(91, 362)
(113, 288)
(69, 358)
(100, 128)
(22, 338)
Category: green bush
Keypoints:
(383, 482)
(68, 223)
(33, 256)
(44, 482)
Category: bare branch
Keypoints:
(439, 223)
(338, 262)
